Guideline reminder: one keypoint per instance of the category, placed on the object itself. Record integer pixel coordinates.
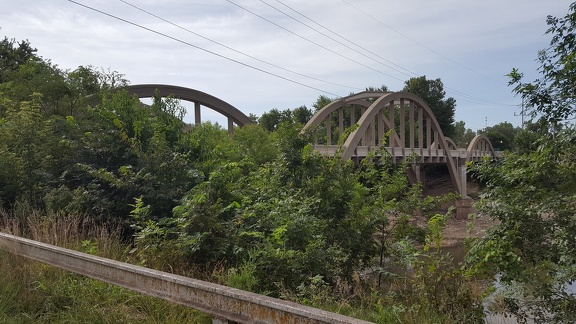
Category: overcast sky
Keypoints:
(286, 53)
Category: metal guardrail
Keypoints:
(223, 303)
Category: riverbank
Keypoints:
(458, 230)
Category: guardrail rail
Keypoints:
(224, 304)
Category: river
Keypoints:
(458, 252)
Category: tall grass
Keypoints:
(61, 229)
(32, 292)
(403, 303)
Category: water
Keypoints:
(458, 253)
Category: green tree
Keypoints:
(528, 138)
(462, 135)
(256, 144)
(432, 92)
(33, 78)
(321, 102)
(12, 55)
(552, 95)
(532, 195)
(382, 88)
(293, 217)
(502, 136)
(272, 119)
(139, 152)
(302, 114)
(30, 144)
(74, 143)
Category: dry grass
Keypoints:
(32, 292)
(77, 232)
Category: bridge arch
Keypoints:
(375, 114)
(324, 115)
(199, 99)
(451, 144)
(399, 122)
(479, 147)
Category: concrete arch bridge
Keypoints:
(399, 123)
(361, 124)
(199, 98)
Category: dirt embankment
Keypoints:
(458, 230)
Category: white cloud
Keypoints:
(489, 37)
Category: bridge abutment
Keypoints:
(464, 208)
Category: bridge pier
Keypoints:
(416, 174)
(464, 208)
(197, 117)
(464, 204)
(462, 169)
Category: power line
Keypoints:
(198, 47)
(477, 100)
(339, 42)
(344, 38)
(469, 98)
(486, 102)
(234, 50)
(473, 99)
(313, 42)
(418, 43)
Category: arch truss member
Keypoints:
(400, 123)
(199, 99)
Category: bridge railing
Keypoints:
(224, 304)
(401, 154)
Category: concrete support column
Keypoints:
(464, 208)
(413, 174)
(230, 125)
(462, 169)
(464, 204)
(197, 118)
(416, 174)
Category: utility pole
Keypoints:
(521, 112)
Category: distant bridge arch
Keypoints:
(398, 122)
(478, 147)
(199, 99)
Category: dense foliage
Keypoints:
(502, 136)
(260, 203)
(531, 193)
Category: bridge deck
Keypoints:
(414, 155)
